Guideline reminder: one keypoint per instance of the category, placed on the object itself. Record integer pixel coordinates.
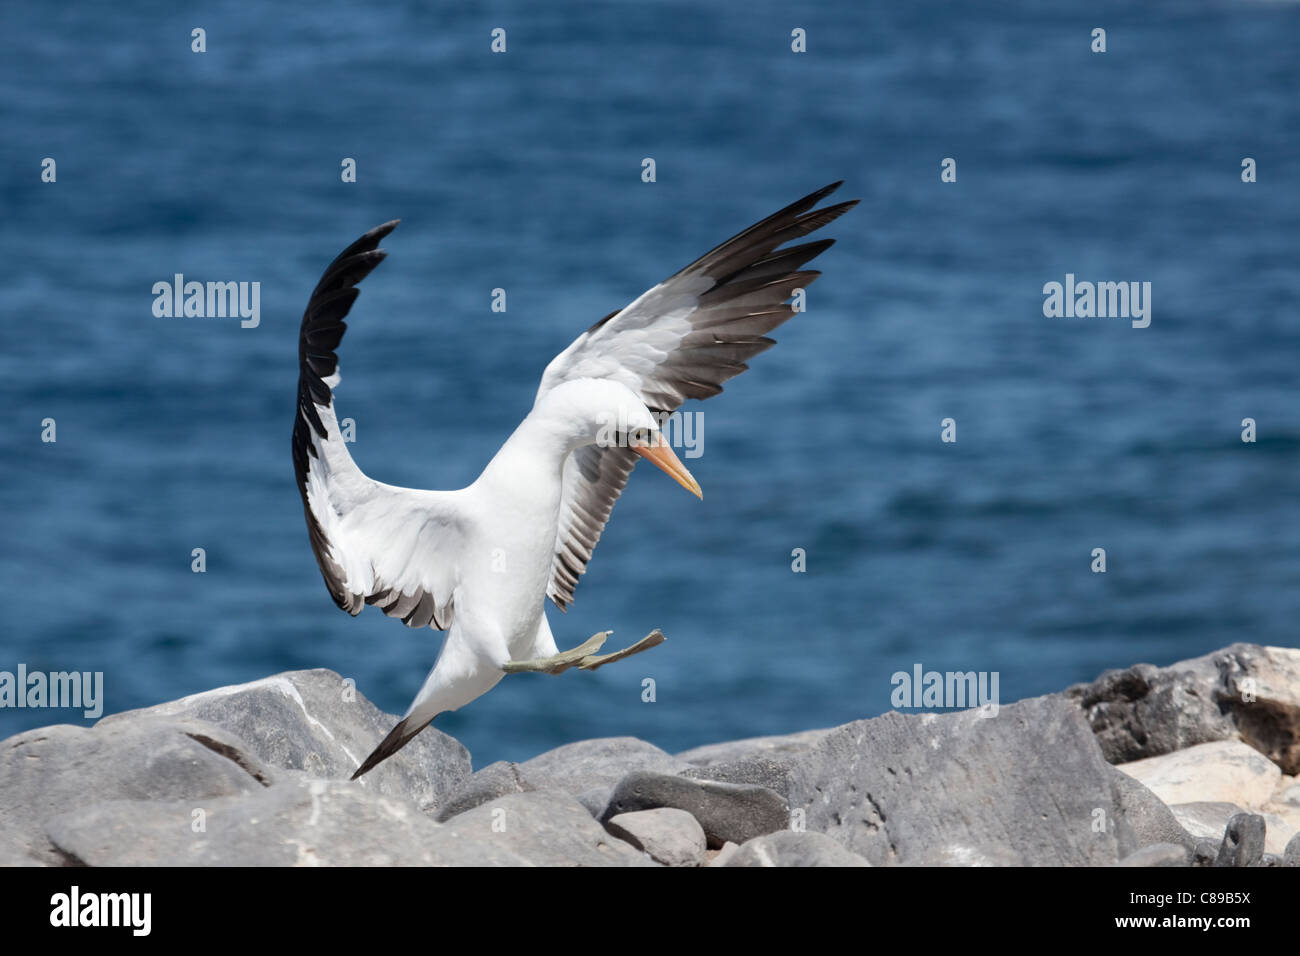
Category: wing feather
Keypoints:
(377, 544)
(681, 339)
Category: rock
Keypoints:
(301, 822)
(721, 856)
(727, 811)
(1028, 786)
(589, 769)
(1270, 860)
(61, 769)
(761, 761)
(1159, 854)
(1151, 819)
(1209, 820)
(1227, 771)
(741, 751)
(773, 775)
(1205, 820)
(788, 848)
(315, 722)
(1291, 857)
(671, 837)
(1262, 692)
(1145, 711)
(545, 828)
(1243, 841)
(494, 780)
(1205, 852)
(1244, 691)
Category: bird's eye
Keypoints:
(640, 437)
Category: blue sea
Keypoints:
(523, 171)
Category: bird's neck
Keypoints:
(535, 452)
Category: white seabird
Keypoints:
(437, 558)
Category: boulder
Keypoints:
(727, 811)
(1151, 819)
(1226, 771)
(670, 836)
(1243, 841)
(545, 828)
(1262, 694)
(62, 769)
(317, 722)
(301, 822)
(589, 769)
(1028, 786)
(1291, 856)
(494, 780)
(788, 848)
(1159, 854)
(1243, 692)
(1208, 820)
(740, 751)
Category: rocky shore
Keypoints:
(1194, 764)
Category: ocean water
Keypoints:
(522, 171)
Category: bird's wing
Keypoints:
(681, 339)
(375, 543)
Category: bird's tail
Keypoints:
(397, 738)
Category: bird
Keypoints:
(479, 562)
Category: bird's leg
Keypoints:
(584, 656)
(561, 662)
(653, 639)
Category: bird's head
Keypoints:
(598, 411)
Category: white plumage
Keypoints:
(479, 562)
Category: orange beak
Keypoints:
(660, 453)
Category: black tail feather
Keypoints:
(397, 738)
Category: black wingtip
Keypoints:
(397, 738)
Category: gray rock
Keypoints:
(60, 769)
(1270, 859)
(1205, 852)
(1151, 819)
(774, 774)
(302, 822)
(761, 761)
(1206, 819)
(1210, 819)
(1243, 841)
(1027, 786)
(315, 722)
(494, 780)
(1244, 691)
(1292, 855)
(545, 828)
(589, 769)
(671, 837)
(742, 751)
(1145, 711)
(726, 811)
(1159, 854)
(788, 848)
